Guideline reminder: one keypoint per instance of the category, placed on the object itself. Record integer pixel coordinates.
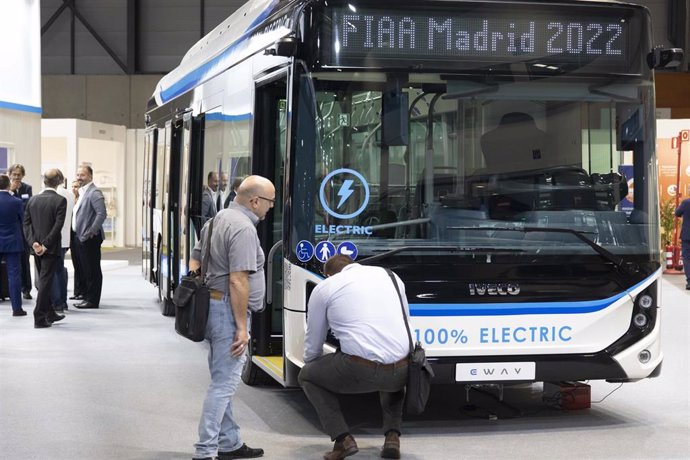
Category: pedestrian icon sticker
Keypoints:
(324, 250)
(304, 251)
(347, 248)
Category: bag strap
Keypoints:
(207, 252)
(402, 307)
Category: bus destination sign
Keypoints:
(478, 36)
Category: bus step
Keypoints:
(272, 365)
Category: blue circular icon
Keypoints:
(304, 251)
(324, 251)
(344, 193)
(347, 248)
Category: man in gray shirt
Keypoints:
(235, 276)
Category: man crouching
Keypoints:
(362, 308)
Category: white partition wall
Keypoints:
(20, 87)
(68, 143)
(134, 170)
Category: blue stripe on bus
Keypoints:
(20, 107)
(192, 79)
(217, 116)
(520, 308)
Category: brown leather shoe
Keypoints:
(391, 446)
(342, 449)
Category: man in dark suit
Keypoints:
(43, 219)
(22, 190)
(208, 198)
(11, 242)
(87, 221)
(233, 191)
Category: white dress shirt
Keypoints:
(82, 191)
(362, 309)
(65, 236)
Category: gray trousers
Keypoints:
(326, 377)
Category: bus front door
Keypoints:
(270, 123)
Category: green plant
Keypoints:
(666, 219)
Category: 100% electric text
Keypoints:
(442, 336)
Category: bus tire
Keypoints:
(168, 307)
(252, 375)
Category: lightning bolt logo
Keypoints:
(345, 192)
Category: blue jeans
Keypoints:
(217, 427)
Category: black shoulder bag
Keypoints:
(192, 298)
(419, 371)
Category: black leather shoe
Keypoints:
(27, 295)
(243, 452)
(77, 297)
(54, 317)
(43, 323)
(86, 304)
(19, 312)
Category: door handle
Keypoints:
(269, 274)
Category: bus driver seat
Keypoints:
(516, 144)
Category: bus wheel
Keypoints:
(252, 374)
(168, 307)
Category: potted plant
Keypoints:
(666, 219)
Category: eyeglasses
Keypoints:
(272, 201)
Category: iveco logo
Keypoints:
(494, 288)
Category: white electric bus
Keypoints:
(486, 151)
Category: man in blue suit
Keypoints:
(22, 190)
(12, 242)
(87, 222)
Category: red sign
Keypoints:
(674, 142)
(685, 134)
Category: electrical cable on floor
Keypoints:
(609, 394)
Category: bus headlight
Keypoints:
(640, 320)
(645, 301)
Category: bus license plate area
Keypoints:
(482, 372)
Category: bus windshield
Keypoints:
(479, 162)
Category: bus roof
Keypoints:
(249, 29)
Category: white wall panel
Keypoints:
(20, 56)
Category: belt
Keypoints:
(358, 359)
(216, 295)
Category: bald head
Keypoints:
(52, 178)
(257, 194)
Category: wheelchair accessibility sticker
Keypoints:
(348, 181)
(304, 251)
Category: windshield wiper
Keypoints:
(449, 249)
(618, 261)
